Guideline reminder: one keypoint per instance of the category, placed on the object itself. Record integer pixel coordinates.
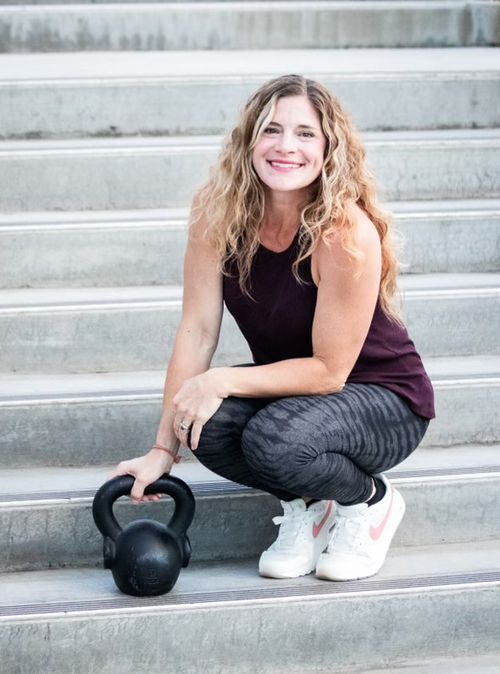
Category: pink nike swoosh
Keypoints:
(376, 532)
(317, 527)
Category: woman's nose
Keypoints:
(286, 142)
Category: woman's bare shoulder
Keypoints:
(364, 234)
(364, 230)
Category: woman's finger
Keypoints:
(152, 498)
(177, 421)
(183, 431)
(195, 434)
(123, 468)
(138, 490)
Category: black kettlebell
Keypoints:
(145, 556)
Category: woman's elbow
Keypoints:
(331, 381)
(332, 385)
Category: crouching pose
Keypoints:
(288, 235)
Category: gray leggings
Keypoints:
(318, 446)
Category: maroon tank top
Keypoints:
(277, 324)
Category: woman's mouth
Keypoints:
(284, 167)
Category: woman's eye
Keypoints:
(303, 134)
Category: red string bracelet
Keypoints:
(169, 451)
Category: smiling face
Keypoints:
(289, 153)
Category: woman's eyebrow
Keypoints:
(299, 126)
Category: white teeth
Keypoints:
(275, 163)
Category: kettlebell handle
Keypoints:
(102, 507)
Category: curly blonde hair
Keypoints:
(232, 201)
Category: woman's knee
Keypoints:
(221, 434)
(214, 431)
(229, 420)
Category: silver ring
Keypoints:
(183, 427)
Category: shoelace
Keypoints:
(348, 535)
(290, 525)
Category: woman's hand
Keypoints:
(146, 469)
(197, 400)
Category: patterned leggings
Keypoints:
(319, 446)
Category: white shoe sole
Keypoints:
(281, 575)
(270, 568)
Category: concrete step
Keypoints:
(242, 25)
(54, 616)
(135, 2)
(452, 496)
(481, 664)
(126, 248)
(78, 420)
(437, 235)
(123, 2)
(56, 318)
(86, 94)
(132, 173)
(79, 329)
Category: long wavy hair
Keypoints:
(232, 201)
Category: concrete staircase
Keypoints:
(110, 114)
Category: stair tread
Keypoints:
(21, 388)
(53, 483)
(25, 298)
(39, 297)
(460, 664)
(64, 590)
(177, 216)
(220, 63)
(187, 144)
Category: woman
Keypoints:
(287, 233)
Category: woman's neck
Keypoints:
(277, 239)
(282, 212)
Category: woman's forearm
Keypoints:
(296, 376)
(191, 355)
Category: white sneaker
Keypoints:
(303, 535)
(361, 537)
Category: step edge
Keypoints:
(176, 222)
(183, 144)
(484, 284)
(440, 382)
(402, 209)
(223, 488)
(472, 580)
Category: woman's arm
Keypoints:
(195, 343)
(198, 332)
(344, 311)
